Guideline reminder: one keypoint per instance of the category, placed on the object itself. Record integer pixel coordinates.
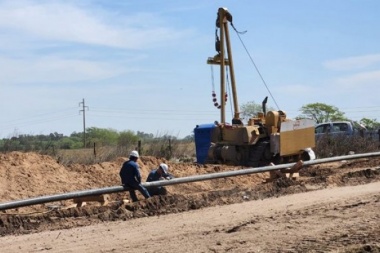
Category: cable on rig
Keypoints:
(254, 64)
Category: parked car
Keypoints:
(339, 128)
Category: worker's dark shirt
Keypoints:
(155, 176)
(130, 173)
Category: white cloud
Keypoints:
(69, 23)
(53, 69)
(364, 80)
(353, 63)
(39, 41)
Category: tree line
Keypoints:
(319, 112)
(76, 140)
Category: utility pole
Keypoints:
(84, 121)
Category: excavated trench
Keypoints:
(311, 178)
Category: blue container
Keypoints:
(202, 137)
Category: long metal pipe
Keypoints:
(182, 180)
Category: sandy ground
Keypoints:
(330, 208)
(317, 221)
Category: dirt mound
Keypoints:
(25, 175)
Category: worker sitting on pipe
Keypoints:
(161, 173)
(131, 177)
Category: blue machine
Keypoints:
(202, 137)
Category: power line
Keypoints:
(355, 113)
(37, 121)
(139, 111)
(40, 115)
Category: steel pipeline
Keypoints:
(182, 180)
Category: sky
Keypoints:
(141, 65)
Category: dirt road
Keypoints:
(318, 221)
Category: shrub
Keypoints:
(328, 146)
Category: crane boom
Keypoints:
(223, 44)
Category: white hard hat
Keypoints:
(164, 167)
(134, 153)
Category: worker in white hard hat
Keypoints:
(161, 173)
(131, 177)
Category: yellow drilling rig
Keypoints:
(269, 137)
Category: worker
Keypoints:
(131, 177)
(161, 173)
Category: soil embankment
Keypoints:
(330, 207)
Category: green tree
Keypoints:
(370, 124)
(321, 112)
(145, 136)
(12, 144)
(126, 138)
(250, 109)
(102, 136)
(76, 135)
(68, 143)
(77, 139)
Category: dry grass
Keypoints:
(180, 151)
(184, 151)
(328, 146)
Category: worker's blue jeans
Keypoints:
(160, 190)
(138, 187)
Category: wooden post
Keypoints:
(170, 148)
(139, 146)
(94, 149)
